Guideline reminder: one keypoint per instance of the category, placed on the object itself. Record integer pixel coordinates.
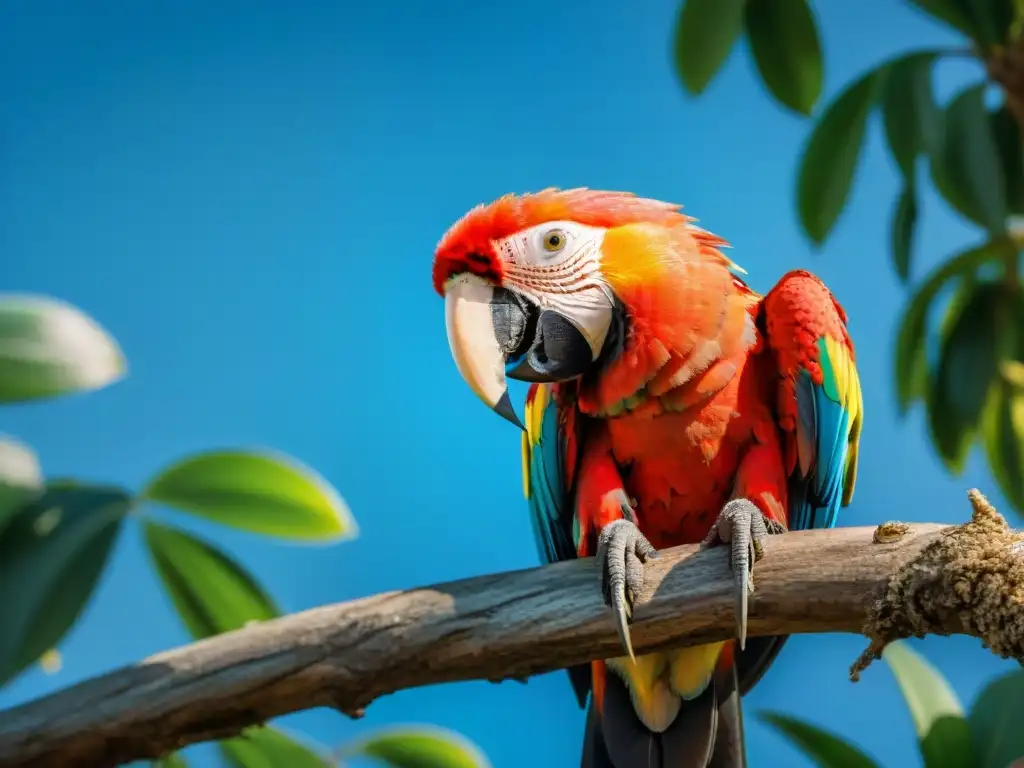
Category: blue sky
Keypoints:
(248, 196)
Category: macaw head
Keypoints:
(539, 287)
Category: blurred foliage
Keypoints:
(960, 346)
(959, 351)
(990, 735)
(56, 537)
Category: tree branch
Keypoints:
(522, 623)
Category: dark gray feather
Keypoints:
(730, 748)
(620, 740)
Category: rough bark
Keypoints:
(887, 582)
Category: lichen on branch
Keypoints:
(972, 575)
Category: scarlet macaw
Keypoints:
(670, 404)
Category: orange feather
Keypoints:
(475, 233)
(699, 405)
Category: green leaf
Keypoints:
(904, 219)
(825, 749)
(831, 155)
(1015, 30)
(909, 111)
(255, 491)
(705, 34)
(966, 167)
(1013, 372)
(992, 20)
(49, 348)
(420, 747)
(910, 359)
(268, 747)
(1011, 158)
(784, 40)
(942, 731)
(955, 13)
(997, 722)
(211, 592)
(52, 553)
(1004, 442)
(1004, 423)
(967, 370)
(21, 479)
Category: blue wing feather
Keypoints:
(545, 481)
(547, 494)
(828, 429)
(827, 425)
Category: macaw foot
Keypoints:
(621, 553)
(742, 525)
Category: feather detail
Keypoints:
(549, 448)
(544, 481)
(820, 403)
(469, 244)
(686, 312)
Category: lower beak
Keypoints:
(474, 343)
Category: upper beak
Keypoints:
(474, 343)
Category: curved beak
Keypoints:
(474, 342)
(497, 332)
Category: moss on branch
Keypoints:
(971, 577)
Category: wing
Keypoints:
(820, 405)
(549, 452)
(549, 464)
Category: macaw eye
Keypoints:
(553, 240)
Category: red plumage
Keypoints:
(716, 393)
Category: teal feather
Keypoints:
(823, 427)
(550, 506)
(552, 511)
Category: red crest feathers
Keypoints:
(467, 245)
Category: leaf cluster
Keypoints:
(57, 536)
(960, 345)
(990, 735)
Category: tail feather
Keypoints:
(617, 738)
(730, 747)
(707, 733)
(595, 753)
(690, 741)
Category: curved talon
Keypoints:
(622, 551)
(622, 619)
(742, 564)
(743, 584)
(742, 525)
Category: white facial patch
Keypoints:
(590, 310)
(558, 265)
